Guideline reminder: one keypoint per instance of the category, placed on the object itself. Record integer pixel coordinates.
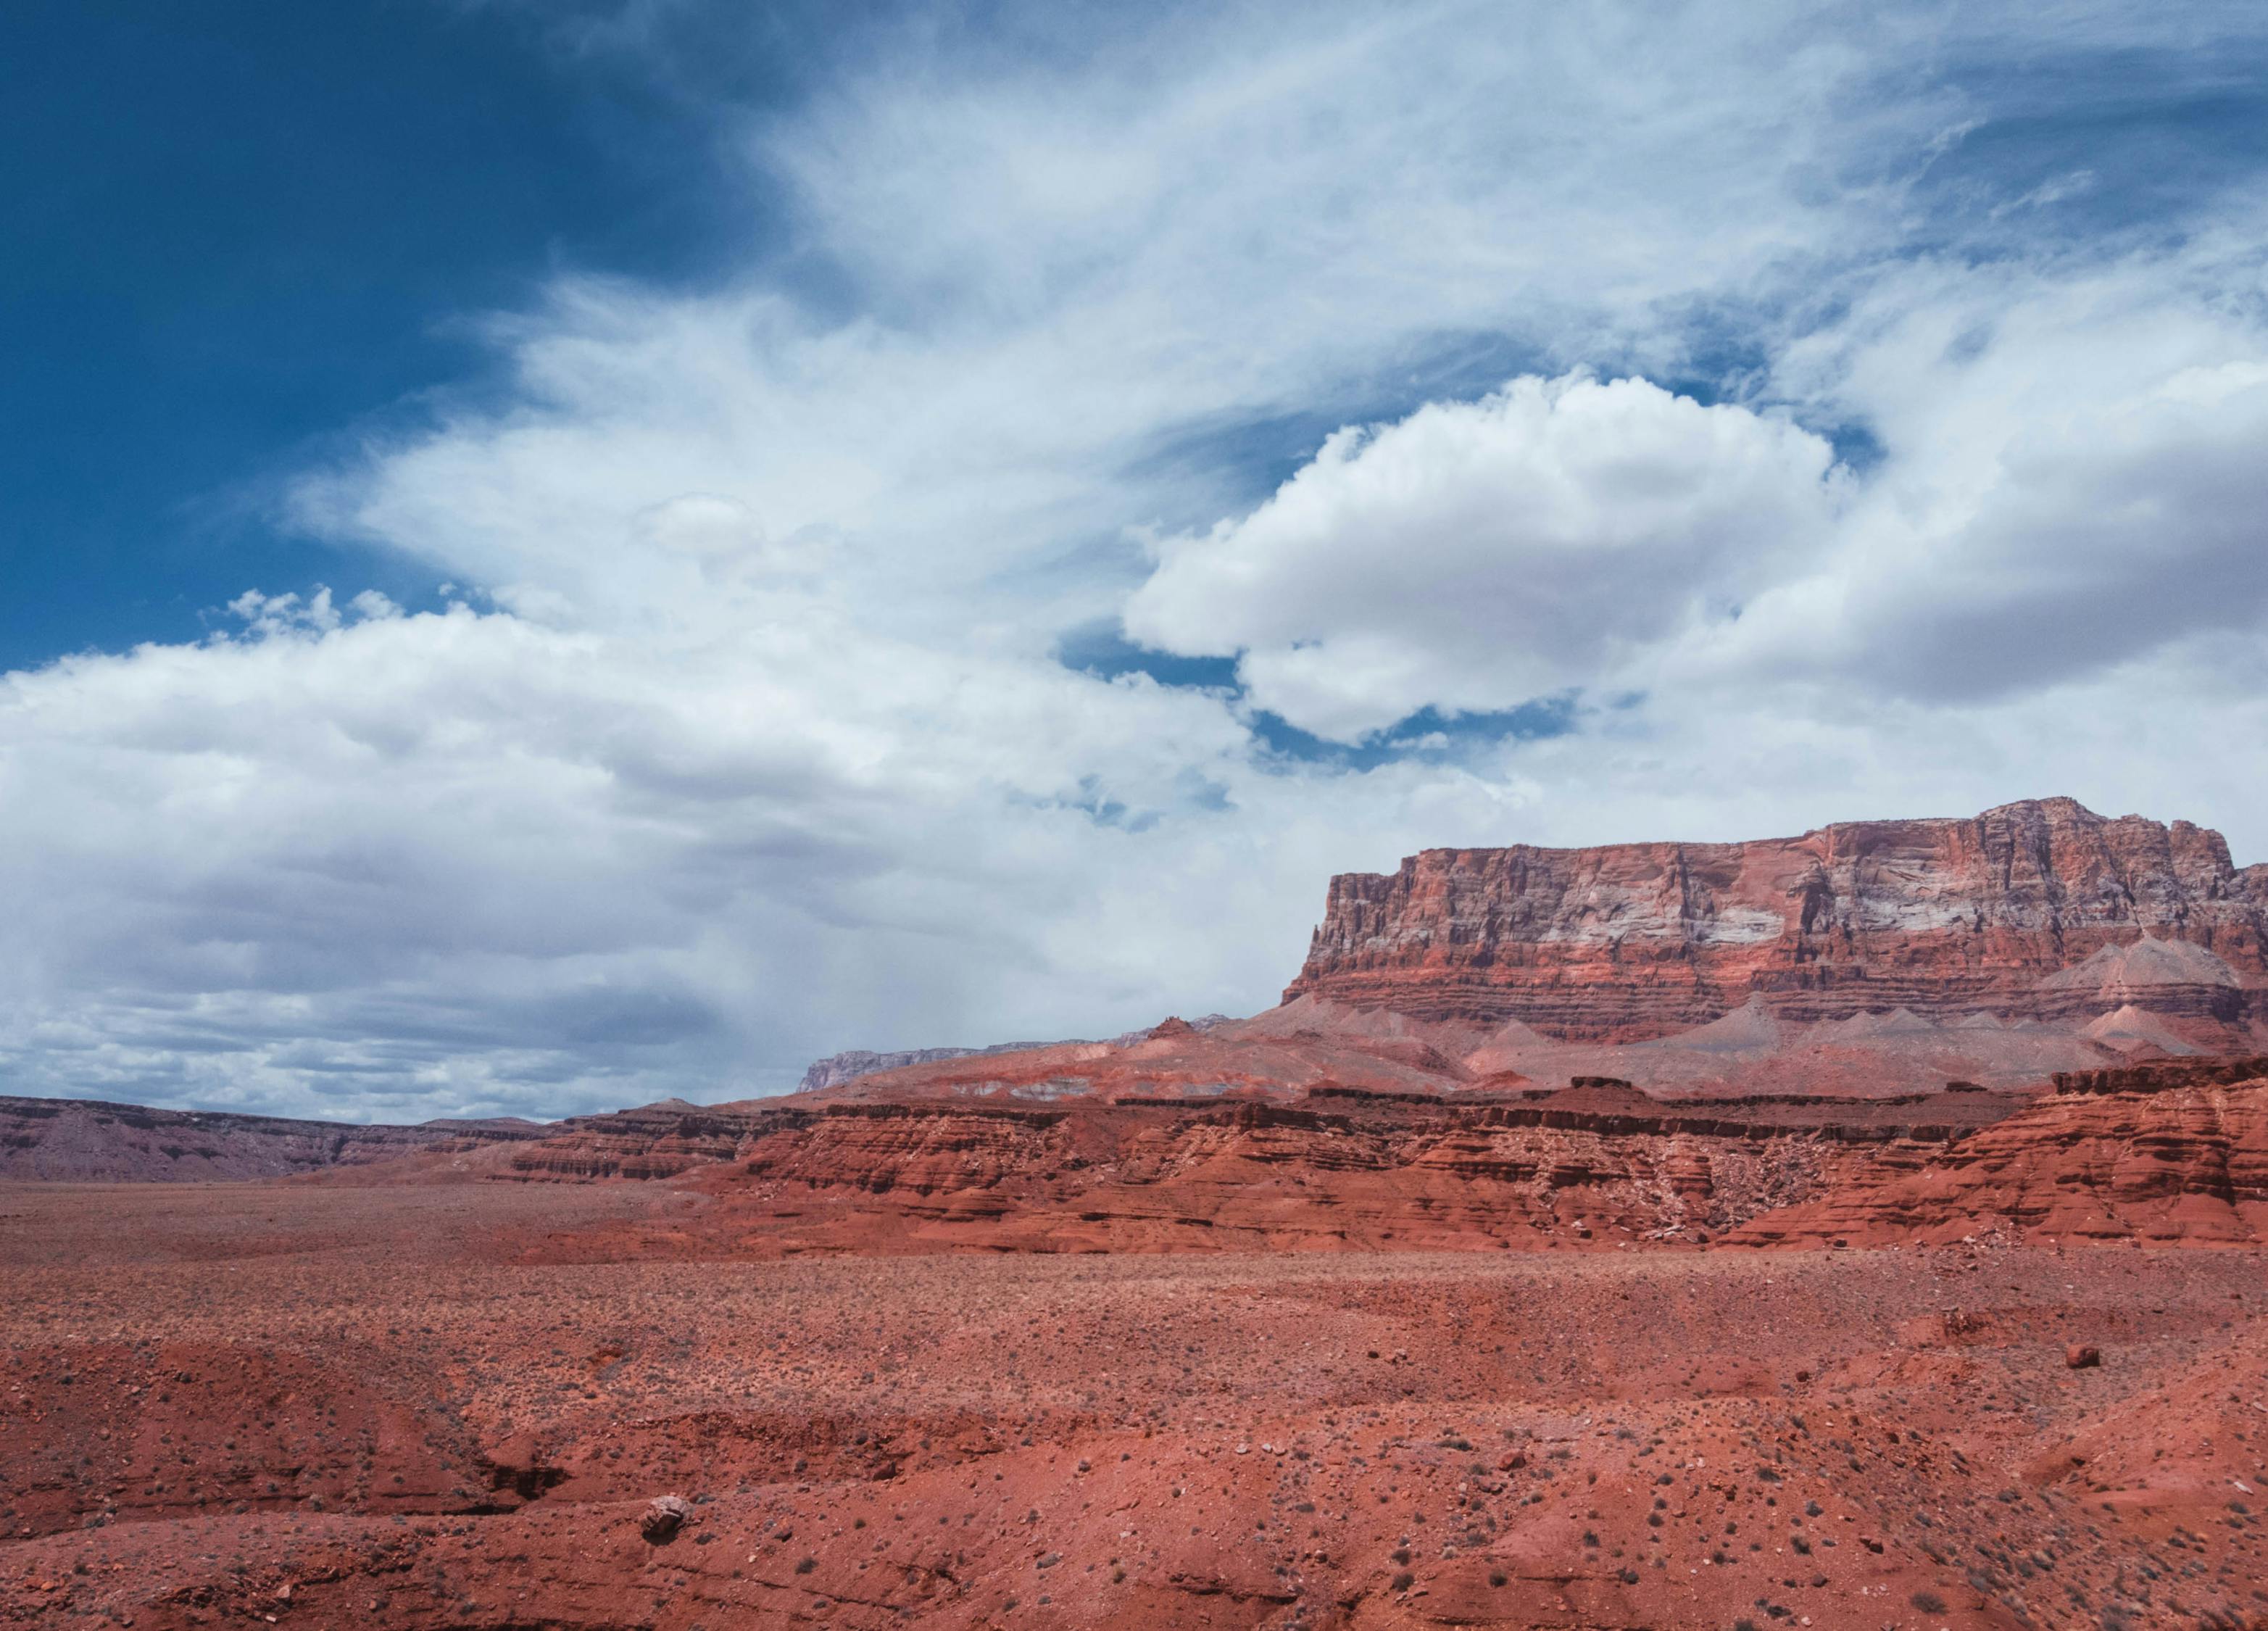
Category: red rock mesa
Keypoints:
(2041, 908)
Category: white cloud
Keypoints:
(470, 859)
(760, 748)
(1477, 556)
(2073, 475)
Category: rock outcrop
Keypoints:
(657, 1141)
(1596, 1164)
(2041, 910)
(2175, 1152)
(852, 1063)
(88, 1140)
(839, 1068)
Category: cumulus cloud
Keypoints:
(752, 740)
(2066, 475)
(1475, 556)
(2072, 476)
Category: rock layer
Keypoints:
(1597, 1164)
(2041, 908)
(2175, 1152)
(849, 1066)
(657, 1141)
(90, 1141)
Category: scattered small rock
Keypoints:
(663, 1517)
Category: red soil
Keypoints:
(385, 1406)
(963, 1365)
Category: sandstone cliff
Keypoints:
(2171, 1152)
(2041, 908)
(1598, 1164)
(656, 1140)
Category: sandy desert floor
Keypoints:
(333, 1405)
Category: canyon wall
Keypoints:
(87, 1141)
(2041, 908)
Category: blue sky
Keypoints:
(261, 229)
(237, 233)
(672, 537)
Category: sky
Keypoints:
(561, 553)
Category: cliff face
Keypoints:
(2041, 908)
(2174, 1152)
(86, 1141)
(849, 1066)
(1598, 1164)
(656, 1140)
(836, 1069)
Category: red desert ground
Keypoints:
(1865, 1229)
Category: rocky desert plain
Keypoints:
(1864, 1230)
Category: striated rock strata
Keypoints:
(2041, 908)
(657, 1141)
(2175, 1152)
(87, 1141)
(1595, 1164)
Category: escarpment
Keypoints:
(75, 1141)
(2038, 909)
(2174, 1153)
(1594, 1164)
(655, 1140)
